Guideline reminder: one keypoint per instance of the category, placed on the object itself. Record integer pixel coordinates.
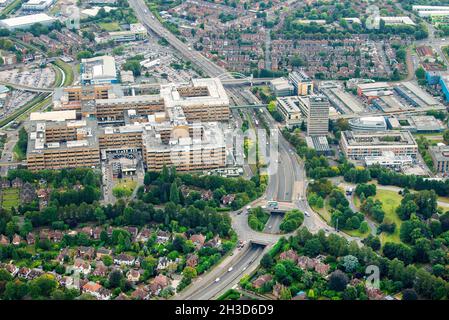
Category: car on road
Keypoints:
(326, 229)
(230, 269)
(244, 268)
(306, 214)
(218, 279)
(269, 227)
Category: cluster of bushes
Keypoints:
(292, 220)
(257, 218)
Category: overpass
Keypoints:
(7, 164)
(245, 81)
(27, 88)
(385, 114)
(249, 106)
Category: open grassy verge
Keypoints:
(69, 75)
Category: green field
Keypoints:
(390, 201)
(10, 198)
(109, 26)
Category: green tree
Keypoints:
(338, 281)
(115, 278)
(174, 193)
(189, 272)
(420, 73)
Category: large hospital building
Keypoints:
(172, 124)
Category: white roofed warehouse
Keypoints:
(25, 22)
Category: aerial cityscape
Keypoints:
(224, 150)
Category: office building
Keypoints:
(440, 157)
(318, 116)
(290, 108)
(357, 145)
(389, 160)
(302, 83)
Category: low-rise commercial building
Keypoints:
(37, 5)
(357, 145)
(416, 124)
(281, 87)
(414, 95)
(368, 124)
(319, 144)
(98, 70)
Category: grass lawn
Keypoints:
(109, 26)
(357, 202)
(128, 184)
(10, 198)
(390, 201)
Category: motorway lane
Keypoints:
(145, 17)
(274, 222)
(228, 278)
(239, 222)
